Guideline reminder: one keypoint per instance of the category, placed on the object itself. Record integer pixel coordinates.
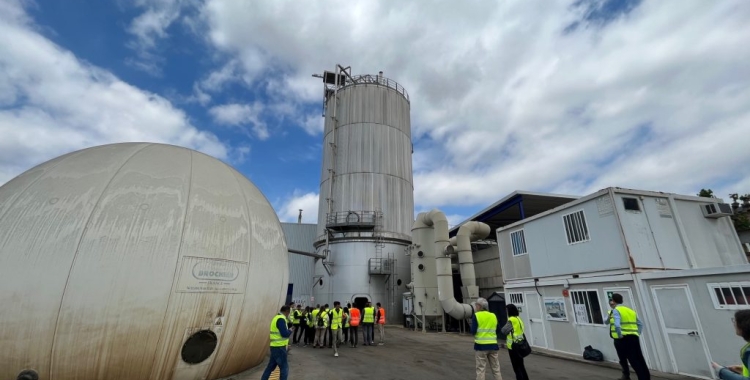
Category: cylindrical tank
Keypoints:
(424, 274)
(368, 157)
(136, 261)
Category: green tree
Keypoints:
(706, 193)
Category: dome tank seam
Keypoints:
(78, 248)
(179, 251)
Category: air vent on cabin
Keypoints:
(716, 210)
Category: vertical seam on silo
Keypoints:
(75, 255)
(177, 262)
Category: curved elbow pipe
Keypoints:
(439, 222)
(467, 233)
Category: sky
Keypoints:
(566, 97)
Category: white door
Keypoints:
(682, 330)
(535, 321)
(627, 298)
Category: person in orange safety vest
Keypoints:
(380, 318)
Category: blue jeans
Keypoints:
(278, 358)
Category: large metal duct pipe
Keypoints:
(443, 250)
(468, 232)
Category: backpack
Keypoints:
(590, 353)
(320, 321)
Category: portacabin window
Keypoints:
(576, 229)
(730, 295)
(518, 242)
(631, 204)
(586, 307)
(515, 298)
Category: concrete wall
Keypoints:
(301, 268)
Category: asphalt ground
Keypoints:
(434, 356)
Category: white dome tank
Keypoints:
(136, 261)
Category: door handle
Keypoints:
(693, 333)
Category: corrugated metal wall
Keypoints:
(373, 157)
(301, 268)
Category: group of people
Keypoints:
(625, 330)
(485, 328)
(321, 327)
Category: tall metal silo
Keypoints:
(366, 192)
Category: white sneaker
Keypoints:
(336, 354)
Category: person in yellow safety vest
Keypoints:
(296, 319)
(741, 322)
(327, 335)
(484, 328)
(368, 321)
(381, 324)
(279, 340)
(514, 332)
(346, 323)
(312, 317)
(309, 326)
(321, 321)
(625, 328)
(337, 325)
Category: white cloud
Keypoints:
(240, 115)
(149, 28)
(308, 202)
(508, 101)
(52, 103)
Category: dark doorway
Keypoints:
(289, 292)
(497, 306)
(360, 302)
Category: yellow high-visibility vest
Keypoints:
(628, 322)
(517, 333)
(369, 316)
(336, 319)
(745, 371)
(276, 339)
(486, 328)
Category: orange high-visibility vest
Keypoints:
(354, 317)
(381, 320)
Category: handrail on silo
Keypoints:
(379, 80)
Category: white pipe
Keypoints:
(468, 232)
(439, 222)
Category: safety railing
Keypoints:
(380, 266)
(362, 219)
(380, 80)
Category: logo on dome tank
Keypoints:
(216, 270)
(204, 275)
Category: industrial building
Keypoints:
(144, 260)
(366, 192)
(299, 238)
(676, 260)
